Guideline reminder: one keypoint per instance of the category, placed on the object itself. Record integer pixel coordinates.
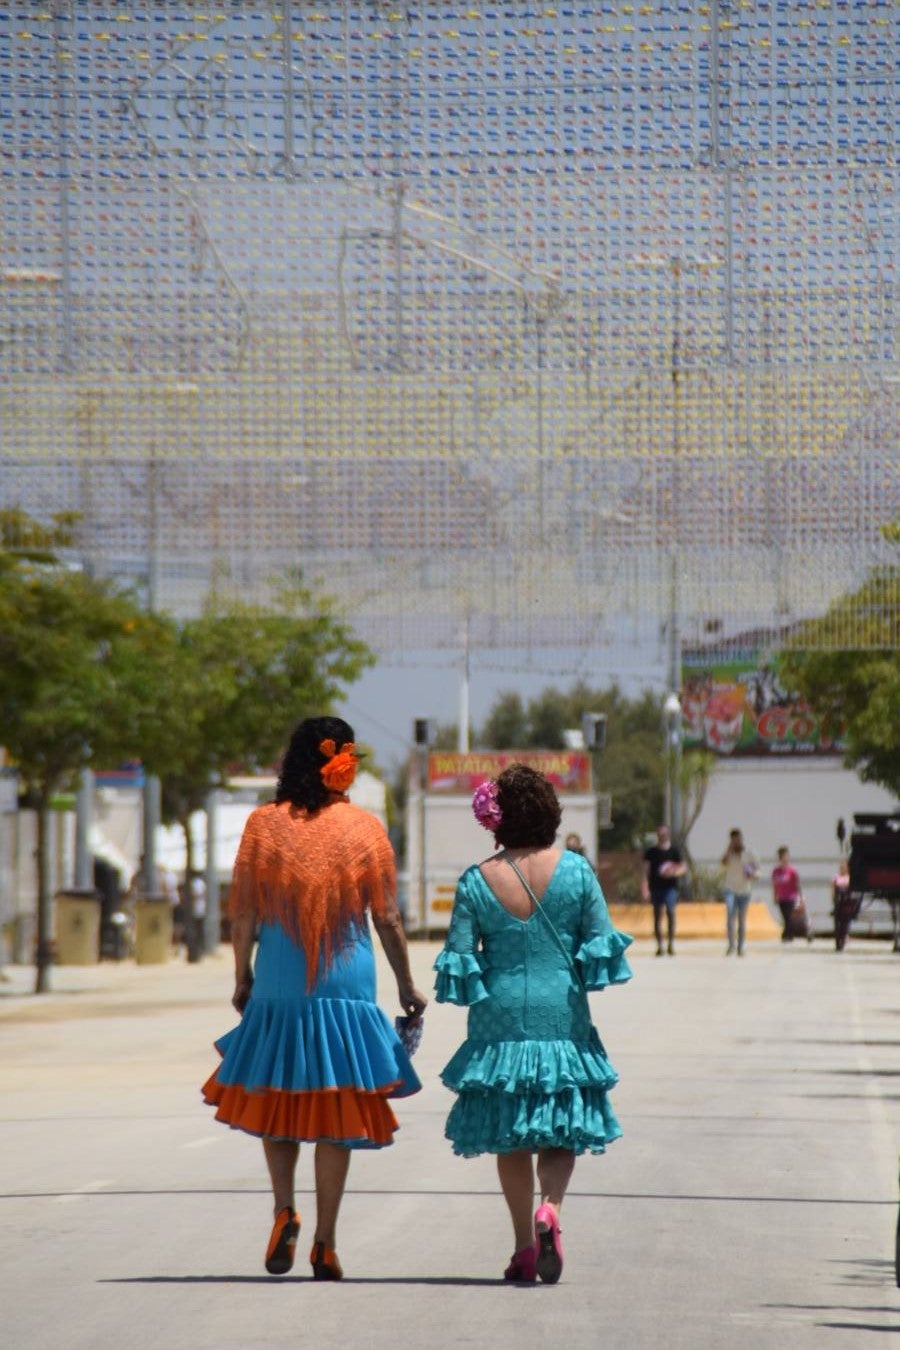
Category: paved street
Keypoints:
(751, 1203)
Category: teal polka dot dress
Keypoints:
(532, 1072)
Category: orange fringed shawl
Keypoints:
(315, 874)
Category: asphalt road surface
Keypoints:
(751, 1203)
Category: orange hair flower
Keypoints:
(340, 770)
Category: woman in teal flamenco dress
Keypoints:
(529, 936)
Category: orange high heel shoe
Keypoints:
(280, 1251)
(325, 1263)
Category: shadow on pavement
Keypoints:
(463, 1280)
(677, 1198)
(857, 1326)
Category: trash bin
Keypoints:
(78, 928)
(152, 930)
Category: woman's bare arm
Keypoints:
(243, 931)
(393, 939)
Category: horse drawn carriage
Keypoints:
(875, 864)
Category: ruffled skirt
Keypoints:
(531, 1094)
(310, 1066)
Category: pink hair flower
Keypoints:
(486, 807)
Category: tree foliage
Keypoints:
(71, 674)
(88, 679)
(856, 693)
(631, 765)
(695, 772)
(230, 686)
(507, 726)
(24, 539)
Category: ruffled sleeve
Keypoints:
(602, 960)
(458, 978)
(601, 955)
(458, 965)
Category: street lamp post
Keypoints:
(672, 723)
(152, 795)
(422, 732)
(462, 739)
(672, 706)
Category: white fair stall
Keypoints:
(443, 836)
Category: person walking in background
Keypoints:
(740, 869)
(167, 885)
(663, 866)
(314, 1058)
(575, 844)
(843, 904)
(529, 935)
(195, 904)
(786, 891)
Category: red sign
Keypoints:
(462, 771)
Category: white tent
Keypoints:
(102, 847)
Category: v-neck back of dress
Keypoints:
(518, 918)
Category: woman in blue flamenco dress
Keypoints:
(530, 934)
(313, 1058)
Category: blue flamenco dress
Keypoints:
(312, 1064)
(532, 1072)
(313, 1057)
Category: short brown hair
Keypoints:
(530, 806)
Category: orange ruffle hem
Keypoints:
(339, 1114)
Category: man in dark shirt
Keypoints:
(662, 868)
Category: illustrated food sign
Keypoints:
(459, 771)
(740, 708)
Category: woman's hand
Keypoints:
(411, 1001)
(243, 931)
(242, 990)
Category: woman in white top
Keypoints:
(740, 869)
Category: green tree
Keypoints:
(71, 682)
(506, 727)
(856, 692)
(695, 770)
(445, 736)
(23, 539)
(88, 678)
(229, 687)
(630, 766)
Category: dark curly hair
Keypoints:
(530, 806)
(300, 780)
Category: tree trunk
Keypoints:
(193, 932)
(188, 848)
(44, 949)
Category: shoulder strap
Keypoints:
(550, 924)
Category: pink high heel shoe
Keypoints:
(522, 1268)
(548, 1244)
